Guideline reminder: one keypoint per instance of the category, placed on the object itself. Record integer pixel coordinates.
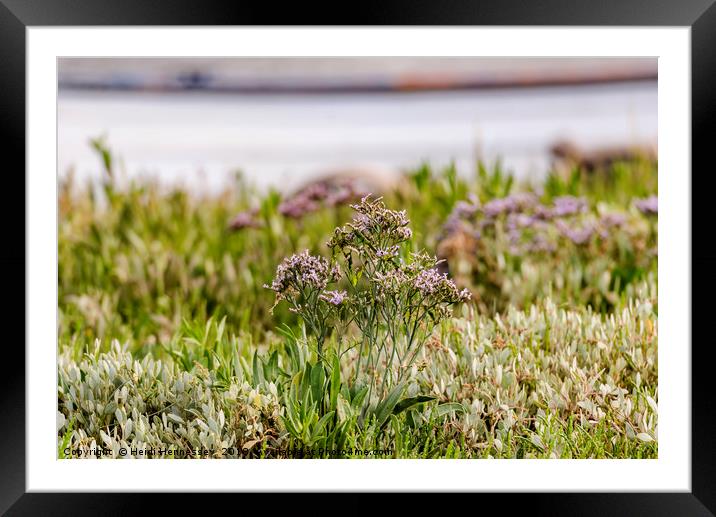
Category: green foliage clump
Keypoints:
(555, 355)
(517, 249)
(542, 383)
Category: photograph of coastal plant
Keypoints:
(357, 258)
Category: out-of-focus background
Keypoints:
(282, 121)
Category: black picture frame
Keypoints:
(17, 15)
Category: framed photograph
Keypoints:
(417, 251)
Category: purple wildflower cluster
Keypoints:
(375, 227)
(492, 247)
(462, 212)
(298, 206)
(418, 276)
(246, 219)
(388, 253)
(431, 283)
(530, 225)
(509, 204)
(326, 193)
(395, 301)
(613, 220)
(303, 271)
(319, 195)
(648, 206)
(390, 283)
(465, 209)
(301, 280)
(567, 205)
(516, 221)
(333, 297)
(373, 216)
(577, 234)
(522, 210)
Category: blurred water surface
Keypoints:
(199, 139)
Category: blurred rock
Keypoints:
(333, 188)
(338, 187)
(566, 155)
(370, 180)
